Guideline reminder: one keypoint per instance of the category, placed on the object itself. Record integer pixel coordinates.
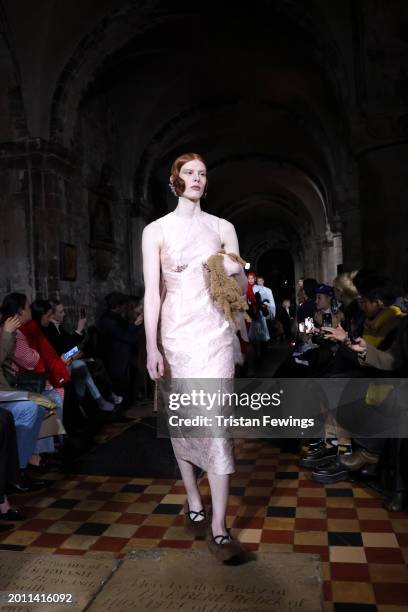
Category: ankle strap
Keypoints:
(193, 514)
(223, 539)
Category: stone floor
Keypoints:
(273, 506)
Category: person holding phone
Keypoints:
(43, 313)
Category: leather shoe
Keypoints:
(26, 485)
(318, 457)
(358, 459)
(12, 515)
(334, 471)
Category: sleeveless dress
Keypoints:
(196, 340)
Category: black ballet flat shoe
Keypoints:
(193, 526)
(225, 548)
(12, 515)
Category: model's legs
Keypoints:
(219, 485)
(190, 483)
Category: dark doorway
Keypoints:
(276, 266)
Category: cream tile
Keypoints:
(311, 538)
(52, 514)
(159, 520)
(103, 516)
(382, 540)
(373, 514)
(128, 498)
(347, 554)
(90, 504)
(140, 543)
(176, 533)
(119, 530)
(315, 513)
(64, 527)
(353, 592)
(21, 537)
(272, 547)
(174, 498)
(81, 542)
(285, 524)
(156, 489)
(247, 535)
(351, 525)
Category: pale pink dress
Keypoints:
(196, 340)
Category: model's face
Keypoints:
(25, 314)
(371, 308)
(322, 301)
(194, 175)
(46, 318)
(251, 279)
(59, 313)
(261, 281)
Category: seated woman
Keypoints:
(27, 413)
(9, 468)
(27, 358)
(43, 313)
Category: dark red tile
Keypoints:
(402, 539)
(90, 486)
(273, 536)
(311, 502)
(100, 495)
(323, 551)
(310, 484)
(355, 572)
(231, 510)
(78, 516)
(164, 481)
(305, 524)
(375, 526)
(147, 497)
(176, 544)
(115, 507)
(246, 522)
(37, 525)
(118, 479)
(285, 492)
(69, 551)
(109, 544)
(383, 555)
(178, 521)
(51, 540)
(179, 490)
(131, 519)
(341, 513)
(150, 531)
(252, 500)
(327, 590)
(368, 503)
(390, 593)
(261, 482)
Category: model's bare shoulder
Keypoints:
(153, 233)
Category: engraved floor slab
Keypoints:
(42, 574)
(191, 581)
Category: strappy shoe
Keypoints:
(193, 526)
(225, 547)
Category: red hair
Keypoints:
(178, 183)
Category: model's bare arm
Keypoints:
(230, 241)
(151, 243)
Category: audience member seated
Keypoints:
(402, 301)
(43, 313)
(9, 469)
(28, 409)
(380, 328)
(140, 377)
(33, 353)
(308, 307)
(118, 338)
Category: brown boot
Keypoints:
(193, 526)
(224, 547)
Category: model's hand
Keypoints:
(12, 324)
(155, 364)
(335, 333)
(359, 345)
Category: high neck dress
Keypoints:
(196, 340)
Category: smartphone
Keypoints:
(82, 313)
(70, 353)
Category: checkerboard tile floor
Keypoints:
(272, 507)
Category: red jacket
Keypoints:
(49, 361)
